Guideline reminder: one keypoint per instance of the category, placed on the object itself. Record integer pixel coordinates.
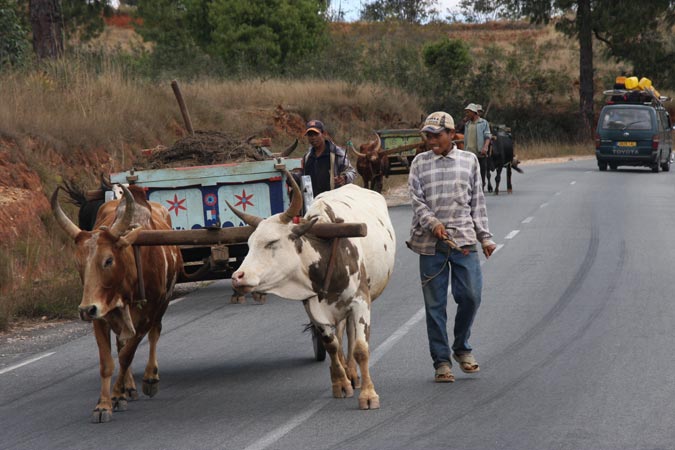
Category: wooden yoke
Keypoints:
(141, 301)
(323, 293)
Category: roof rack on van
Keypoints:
(635, 96)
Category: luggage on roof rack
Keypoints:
(632, 90)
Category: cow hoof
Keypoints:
(261, 299)
(101, 416)
(150, 387)
(510, 191)
(237, 299)
(119, 404)
(132, 394)
(343, 391)
(369, 403)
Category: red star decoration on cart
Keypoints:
(244, 200)
(176, 204)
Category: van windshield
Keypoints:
(626, 119)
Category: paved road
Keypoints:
(575, 339)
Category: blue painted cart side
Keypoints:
(195, 198)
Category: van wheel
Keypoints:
(612, 167)
(666, 165)
(602, 166)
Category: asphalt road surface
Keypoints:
(575, 339)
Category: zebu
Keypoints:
(285, 259)
(501, 156)
(372, 164)
(111, 295)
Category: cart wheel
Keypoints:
(317, 343)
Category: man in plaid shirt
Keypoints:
(450, 219)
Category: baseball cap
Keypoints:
(437, 122)
(315, 125)
(472, 107)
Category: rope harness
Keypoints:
(452, 245)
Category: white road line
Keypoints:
(543, 205)
(275, 435)
(25, 363)
(178, 300)
(528, 219)
(512, 234)
(573, 182)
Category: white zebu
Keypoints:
(285, 259)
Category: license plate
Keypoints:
(626, 143)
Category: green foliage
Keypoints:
(410, 11)
(449, 62)
(266, 35)
(14, 45)
(83, 19)
(240, 37)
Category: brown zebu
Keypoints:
(110, 297)
(372, 164)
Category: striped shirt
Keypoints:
(447, 190)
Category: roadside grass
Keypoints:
(547, 149)
(36, 280)
(71, 105)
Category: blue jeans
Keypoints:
(467, 283)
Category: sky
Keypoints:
(353, 7)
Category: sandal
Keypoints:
(444, 374)
(467, 362)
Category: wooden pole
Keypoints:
(183, 108)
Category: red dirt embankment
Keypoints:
(22, 200)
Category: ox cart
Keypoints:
(400, 146)
(211, 238)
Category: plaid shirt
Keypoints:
(447, 190)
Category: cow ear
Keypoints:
(129, 237)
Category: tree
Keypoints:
(13, 35)
(449, 61)
(47, 26)
(83, 19)
(629, 30)
(266, 34)
(411, 11)
(259, 35)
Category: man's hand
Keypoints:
(489, 249)
(339, 180)
(439, 232)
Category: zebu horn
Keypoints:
(296, 203)
(301, 229)
(68, 226)
(122, 225)
(379, 143)
(289, 149)
(351, 147)
(249, 219)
